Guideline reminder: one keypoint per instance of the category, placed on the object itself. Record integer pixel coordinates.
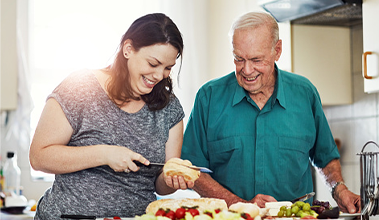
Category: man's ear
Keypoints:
(278, 50)
(127, 49)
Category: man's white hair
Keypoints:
(254, 20)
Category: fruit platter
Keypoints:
(249, 211)
(203, 209)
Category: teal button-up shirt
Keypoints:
(253, 151)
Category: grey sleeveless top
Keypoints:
(95, 119)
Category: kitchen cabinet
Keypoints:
(370, 58)
(8, 55)
(322, 54)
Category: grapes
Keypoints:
(320, 206)
(301, 209)
(281, 213)
(298, 209)
(295, 209)
(307, 207)
(289, 212)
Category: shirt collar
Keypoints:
(280, 94)
(240, 93)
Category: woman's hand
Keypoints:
(178, 182)
(122, 159)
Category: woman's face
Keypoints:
(149, 65)
(254, 57)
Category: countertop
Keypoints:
(26, 215)
(30, 215)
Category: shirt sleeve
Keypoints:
(195, 147)
(67, 95)
(176, 112)
(325, 148)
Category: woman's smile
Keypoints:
(148, 82)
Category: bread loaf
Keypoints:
(178, 167)
(173, 204)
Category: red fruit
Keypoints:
(217, 211)
(194, 212)
(245, 216)
(116, 217)
(180, 213)
(170, 214)
(209, 213)
(160, 212)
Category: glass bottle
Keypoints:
(12, 175)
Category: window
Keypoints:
(66, 35)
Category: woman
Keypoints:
(97, 124)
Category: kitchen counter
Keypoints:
(26, 215)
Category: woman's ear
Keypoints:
(127, 49)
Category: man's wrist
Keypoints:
(334, 187)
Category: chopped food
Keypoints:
(190, 214)
(204, 211)
(249, 208)
(202, 204)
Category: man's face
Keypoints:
(254, 57)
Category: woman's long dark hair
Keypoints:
(147, 30)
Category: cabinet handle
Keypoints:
(364, 56)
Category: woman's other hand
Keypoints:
(178, 182)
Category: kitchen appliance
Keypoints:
(369, 177)
(318, 12)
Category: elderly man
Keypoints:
(260, 129)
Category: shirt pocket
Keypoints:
(293, 157)
(223, 152)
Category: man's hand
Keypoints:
(348, 201)
(261, 200)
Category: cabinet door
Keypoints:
(8, 55)
(322, 54)
(370, 66)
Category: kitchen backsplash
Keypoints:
(353, 124)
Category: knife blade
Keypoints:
(303, 198)
(201, 169)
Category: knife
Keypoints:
(303, 198)
(201, 169)
(78, 216)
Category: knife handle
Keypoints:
(78, 216)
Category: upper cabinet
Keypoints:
(370, 57)
(322, 54)
(8, 55)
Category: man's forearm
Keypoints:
(332, 175)
(206, 186)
